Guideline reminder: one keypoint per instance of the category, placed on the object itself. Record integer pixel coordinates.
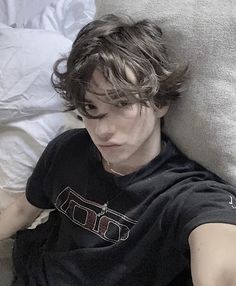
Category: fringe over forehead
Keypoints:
(111, 44)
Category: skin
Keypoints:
(127, 136)
(213, 254)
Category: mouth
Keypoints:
(108, 146)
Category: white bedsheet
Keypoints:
(31, 113)
(18, 12)
(66, 17)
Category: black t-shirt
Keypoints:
(140, 238)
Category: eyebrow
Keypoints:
(87, 100)
(93, 94)
(93, 101)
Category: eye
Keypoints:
(91, 109)
(122, 104)
(89, 106)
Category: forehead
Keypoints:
(98, 86)
(98, 83)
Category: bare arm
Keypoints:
(213, 255)
(18, 215)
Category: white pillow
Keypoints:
(26, 61)
(64, 16)
(22, 142)
(31, 112)
(16, 13)
(203, 122)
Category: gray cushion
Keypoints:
(6, 275)
(203, 122)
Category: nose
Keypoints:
(104, 128)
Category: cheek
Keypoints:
(129, 118)
(139, 121)
(148, 119)
(148, 124)
(89, 124)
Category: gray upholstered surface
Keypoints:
(6, 262)
(203, 32)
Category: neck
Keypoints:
(112, 170)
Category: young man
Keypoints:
(130, 209)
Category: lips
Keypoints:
(108, 146)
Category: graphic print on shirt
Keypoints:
(112, 226)
(231, 203)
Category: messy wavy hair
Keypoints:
(110, 45)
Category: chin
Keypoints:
(114, 159)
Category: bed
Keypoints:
(33, 34)
(202, 125)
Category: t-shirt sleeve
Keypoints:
(39, 185)
(200, 203)
(37, 188)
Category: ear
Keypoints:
(161, 111)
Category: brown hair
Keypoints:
(111, 44)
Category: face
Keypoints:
(127, 136)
